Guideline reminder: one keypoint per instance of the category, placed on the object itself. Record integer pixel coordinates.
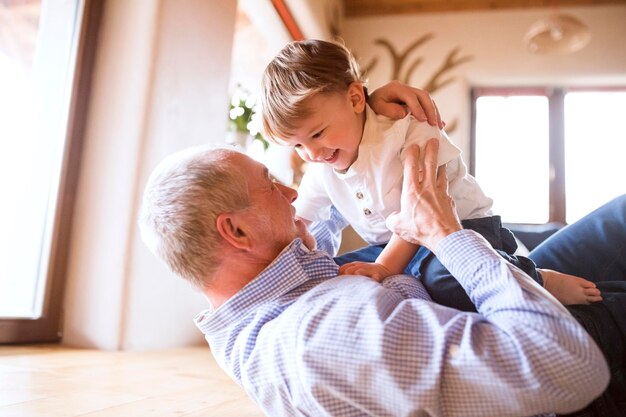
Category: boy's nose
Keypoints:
(315, 153)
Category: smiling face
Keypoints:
(271, 211)
(331, 132)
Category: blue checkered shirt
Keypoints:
(303, 342)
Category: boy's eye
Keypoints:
(298, 146)
(318, 134)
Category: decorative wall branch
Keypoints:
(452, 61)
(399, 59)
(437, 80)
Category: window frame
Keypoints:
(47, 327)
(556, 148)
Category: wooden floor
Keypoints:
(55, 381)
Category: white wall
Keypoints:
(494, 39)
(160, 85)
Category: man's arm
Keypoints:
(375, 350)
(528, 332)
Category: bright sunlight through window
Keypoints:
(512, 156)
(595, 145)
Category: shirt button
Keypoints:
(359, 195)
(367, 212)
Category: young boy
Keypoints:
(313, 99)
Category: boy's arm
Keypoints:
(392, 260)
(394, 98)
(397, 255)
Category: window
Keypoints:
(46, 54)
(548, 154)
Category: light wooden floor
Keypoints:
(55, 381)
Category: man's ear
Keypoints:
(233, 230)
(357, 96)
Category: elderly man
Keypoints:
(304, 342)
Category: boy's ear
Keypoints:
(233, 230)
(357, 96)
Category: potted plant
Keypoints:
(244, 120)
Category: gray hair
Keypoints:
(184, 196)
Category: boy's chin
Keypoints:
(342, 168)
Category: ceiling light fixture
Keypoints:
(557, 34)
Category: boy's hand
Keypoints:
(375, 271)
(393, 99)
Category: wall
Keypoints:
(160, 84)
(494, 39)
(161, 81)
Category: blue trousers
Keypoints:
(441, 285)
(594, 248)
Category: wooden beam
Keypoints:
(356, 8)
(288, 20)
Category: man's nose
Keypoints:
(289, 193)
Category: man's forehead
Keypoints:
(250, 168)
(242, 160)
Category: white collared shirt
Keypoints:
(369, 191)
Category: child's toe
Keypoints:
(585, 283)
(594, 298)
(591, 292)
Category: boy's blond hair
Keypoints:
(301, 70)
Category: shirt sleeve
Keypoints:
(313, 202)
(420, 132)
(471, 201)
(327, 233)
(377, 352)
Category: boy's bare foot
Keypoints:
(570, 289)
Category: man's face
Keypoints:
(331, 134)
(271, 211)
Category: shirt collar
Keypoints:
(294, 266)
(368, 138)
(371, 126)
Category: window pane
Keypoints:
(511, 157)
(595, 145)
(36, 52)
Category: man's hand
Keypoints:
(427, 213)
(393, 99)
(375, 271)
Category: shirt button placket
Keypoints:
(359, 195)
